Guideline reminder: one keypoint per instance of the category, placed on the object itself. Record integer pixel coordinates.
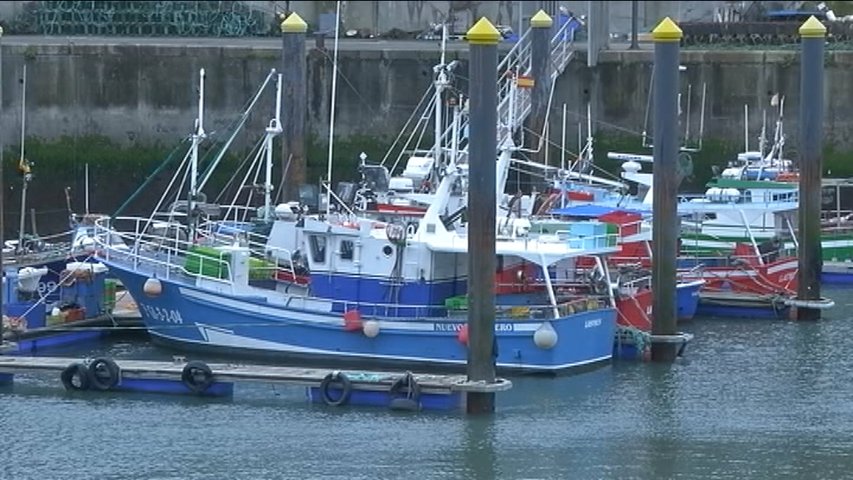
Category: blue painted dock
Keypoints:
(401, 391)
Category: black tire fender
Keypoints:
(104, 373)
(346, 388)
(75, 370)
(197, 376)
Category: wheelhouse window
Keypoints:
(318, 248)
(347, 250)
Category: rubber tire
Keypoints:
(96, 381)
(189, 379)
(76, 369)
(346, 389)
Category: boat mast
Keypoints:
(563, 162)
(589, 149)
(23, 165)
(197, 137)
(441, 82)
(273, 130)
(332, 114)
(87, 187)
(454, 145)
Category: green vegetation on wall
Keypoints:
(117, 171)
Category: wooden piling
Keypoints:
(666, 36)
(483, 38)
(294, 106)
(540, 59)
(2, 190)
(813, 35)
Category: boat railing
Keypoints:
(532, 241)
(582, 241)
(564, 308)
(704, 201)
(61, 240)
(241, 214)
(836, 221)
(633, 228)
(166, 252)
(268, 262)
(703, 261)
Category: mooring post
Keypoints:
(294, 93)
(2, 191)
(813, 34)
(483, 104)
(666, 36)
(540, 60)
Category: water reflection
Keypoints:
(662, 419)
(757, 399)
(479, 448)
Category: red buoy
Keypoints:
(462, 336)
(352, 321)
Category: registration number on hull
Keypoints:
(160, 314)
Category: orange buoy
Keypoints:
(352, 321)
(462, 335)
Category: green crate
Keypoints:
(260, 269)
(459, 302)
(207, 261)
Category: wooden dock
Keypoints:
(334, 387)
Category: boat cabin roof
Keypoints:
(594, 211)
(542, 250)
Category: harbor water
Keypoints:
(752, 399)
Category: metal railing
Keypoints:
(767, 200)
(518, 104)
(167, 255)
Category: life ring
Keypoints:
(75, 370)
(197, 376)
(104, 373)
(411, 401)
(346, 388)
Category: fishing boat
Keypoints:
(626, 225)
(51, 287)
(752, 277)
(377, 293)
(763, 176)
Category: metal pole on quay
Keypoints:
(294, 92)
(483, 38)
(666, 36)
(813, 34)
(635, 11)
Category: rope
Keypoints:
(642, 340)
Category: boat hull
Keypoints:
(635, 310)
(195, 319)
(742, 305)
